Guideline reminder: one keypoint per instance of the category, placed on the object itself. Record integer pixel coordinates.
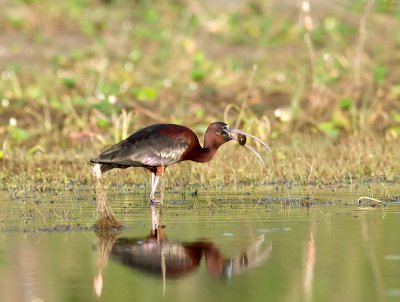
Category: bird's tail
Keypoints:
(103, 167)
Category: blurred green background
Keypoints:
(83, 74)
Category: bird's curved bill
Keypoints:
(238, 131)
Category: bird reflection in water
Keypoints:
(159, 256)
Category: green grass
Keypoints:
(301, 160)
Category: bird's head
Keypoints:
(219, 133)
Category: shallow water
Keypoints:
(279, 244)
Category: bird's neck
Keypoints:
(205, 154)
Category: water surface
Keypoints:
(304, 244)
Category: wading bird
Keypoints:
(158, 146)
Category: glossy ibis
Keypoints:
(158, 255)
(158, 146)
(175, 258)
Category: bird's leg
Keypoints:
(153, 175)
(154, 182)
(154, 219)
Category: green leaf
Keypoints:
(200, 113)
(88, 27)
(394, 131)
(102, 123)
(56, 104)
(329, 129)
(200, 66)
(69, 82)
(76, 55)
(346, 103)
(19, 134)
(17, 22)
(79, 101)
(145, 93)
(104, 106)
(135, 55)
(396, 117)
(198, 74)
(33, 92)
(151, 15)
(380, 74)
(199, 58)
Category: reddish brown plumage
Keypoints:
(158, 146)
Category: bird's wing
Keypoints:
(144, 148)
(158, 151)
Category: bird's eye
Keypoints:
(223, 132)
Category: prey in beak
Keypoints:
(242, 138)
